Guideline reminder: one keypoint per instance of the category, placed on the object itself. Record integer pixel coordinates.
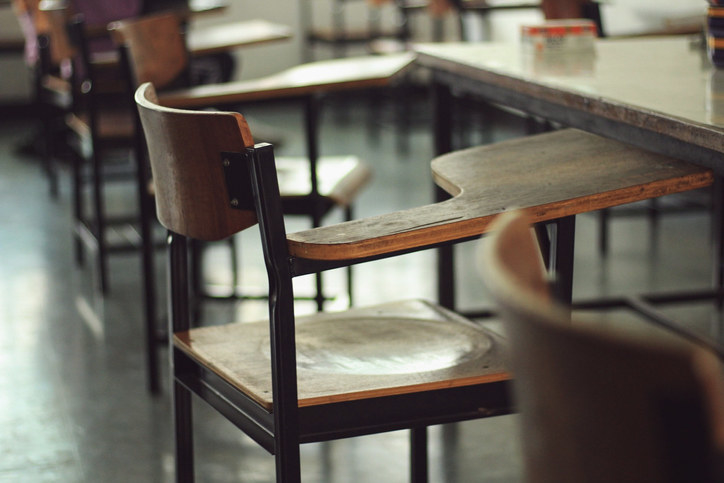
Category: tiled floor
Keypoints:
(73, 404)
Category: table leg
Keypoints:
(442, 119)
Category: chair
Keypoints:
(53, 90)
(599, 405)
(311, 186)
(293, 380)
(100, 131)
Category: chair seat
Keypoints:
(339, 178)
(395, 348)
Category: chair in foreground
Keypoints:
(314, 186)
(597, 405)
(293, 380)
(311, 186)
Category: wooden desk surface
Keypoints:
(199, 7)
(221, 38)
(487, 180)
(661, 85)
(323, 76)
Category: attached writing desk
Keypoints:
(661, 94)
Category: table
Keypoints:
(658, 93)
(225, 37)
(661, 94)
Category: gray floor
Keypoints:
(73, 403)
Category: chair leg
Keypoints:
(100, 222)
(561, 261)
(288, 466)
(178, 277)
(348, 213)
(418, 455)
(49, 151)
(544, 242)
(604, 217)
(234, 262)
(196, 280)
(78, 206)
(718, 239)
(184, 434)
(148, 283)
(319, 288)
(654, 212)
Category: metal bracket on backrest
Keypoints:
(238, 181)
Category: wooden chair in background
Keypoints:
(100, 131)
(292, 380)
(311, 186)
(598, 405)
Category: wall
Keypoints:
(15, 79)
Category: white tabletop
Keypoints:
(662, 85)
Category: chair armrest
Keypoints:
(389, 233)
(589, 173)
(302, 80)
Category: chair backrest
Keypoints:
(54, 20)
(186, 150)
(599, 406)
(156, 48)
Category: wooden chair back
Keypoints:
(156, 48)
(599, 406)
(53, 22)
(186, 149)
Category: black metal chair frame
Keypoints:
(312, 204)
(51, 107)
(91, 231)
(287, 425)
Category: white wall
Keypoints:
(262, 59)
(15, 79)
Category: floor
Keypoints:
(73, 403)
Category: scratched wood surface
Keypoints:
(314, 77)
(395, 348)
(550, 176)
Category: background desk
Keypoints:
(658, 93)
(661, 94)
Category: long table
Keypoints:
(661, 94)
(658, 93)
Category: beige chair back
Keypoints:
(597, 405)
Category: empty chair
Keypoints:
(291, 380)
(599, 405)
(99, 127)
(312, 186)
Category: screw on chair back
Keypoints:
(599, 405)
